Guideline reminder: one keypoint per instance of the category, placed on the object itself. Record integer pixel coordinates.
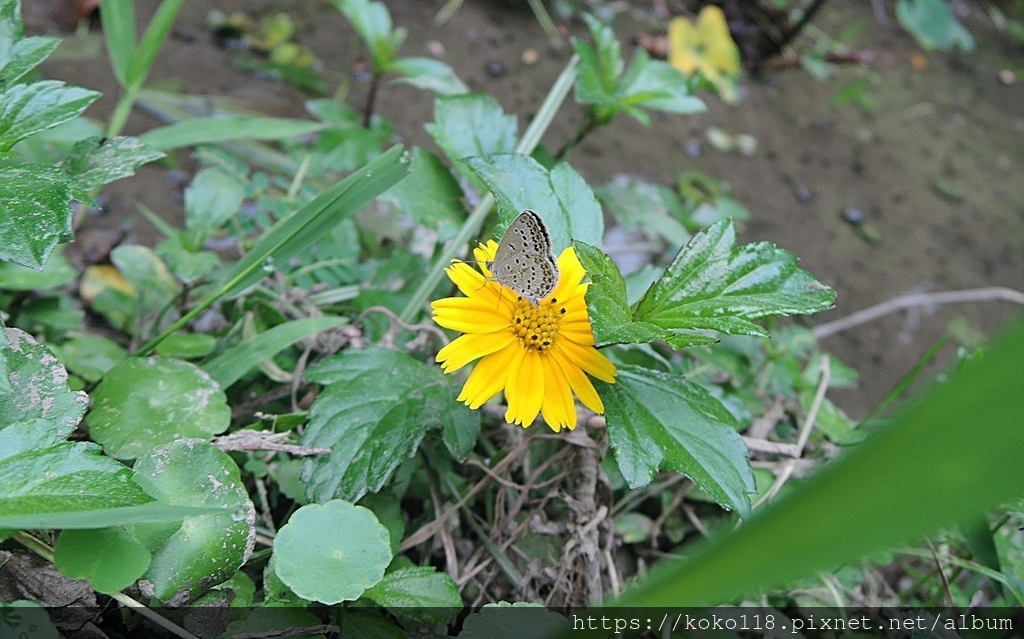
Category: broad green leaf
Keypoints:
(610, 316)
(228, 367)
(420, 592)
(933, 25)
(657, 421)
(713, 286)
(430, 195)
(372, 427)
(34, 199)
(30, 434)
(319, 564)
(56, 273)
(148, 513)
(90, 356)
(294, 234)
(119, 33)
(68, 477)
(659, 86)
(212, 199)
(153, 285)
(470, 125)
(600, 67)
(948, 456)
(372, 22)
(144, 403)
(647, 207)
(187, 265)
(19, 55)
(568, 206)
(97, 161)
(225, 128)
(429, 74)
(39, 387)
(23, 618)
(206, 549)
(27, 109)
(110, 559)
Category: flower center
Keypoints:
(537, 326)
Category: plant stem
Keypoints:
(589, 125)
(371, 99)
(557, 94)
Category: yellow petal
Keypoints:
(681, 40)
(469, 347)
(578, 381)
(589, 359)
(524, 390)
(488, 378)
(559, 408)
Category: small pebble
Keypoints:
(853, 215)
(692, 148)
(530, 56)
(436, 48)
(496, 68)
(803, 194)
(1007, 77)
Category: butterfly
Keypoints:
(524, 262)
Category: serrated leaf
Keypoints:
(610, 316)
(336, 567)
(34, 199)
(39, 387)
(372, 427)
(21, 56)
(372, 22)
(429, 74)
(68, 477)
(419, 592)
(27, 109)
(430, 195)
(144, 403)
(471, 125)
(560, 196)
(97, 161)
(600, 65)
(212, 199)
(657, 421)
(109, 559)
(713, 286)
(206, 549)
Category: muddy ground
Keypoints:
(953, 123)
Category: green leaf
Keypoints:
(713, 286)
(153, 285)
(39, 387)
(147, 513)
(420, 592)
(27, 109)
(228, 367)
(119, 32)
(318, 564)
(659, 86)
(600, 67)
(109, 559)
(187, 345)
(225, 128)
(471, 125)
(34, 199)
(206, 549)
(658, 421)
(372, 427)
(568, 206)
(294, 234)
(97, 161)
(152, 40)
(610, 316)
(944, 459)
(90, 356)
(27, 619)
(642, 206)
(68, 477)
(515, 621)
(933, 25)
(429, 74)
(372, 22)
(212, 199)
(19, 55)
(56, 273)
(143, 403)
(430, 195)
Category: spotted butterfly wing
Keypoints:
(524, 261)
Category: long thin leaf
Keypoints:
(118, 19)
(152, 41)
(949, 456)
(222, 129)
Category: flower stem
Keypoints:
(531, 137)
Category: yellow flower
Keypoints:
(537, 354)
(706, 48)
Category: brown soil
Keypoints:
(953, 121)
